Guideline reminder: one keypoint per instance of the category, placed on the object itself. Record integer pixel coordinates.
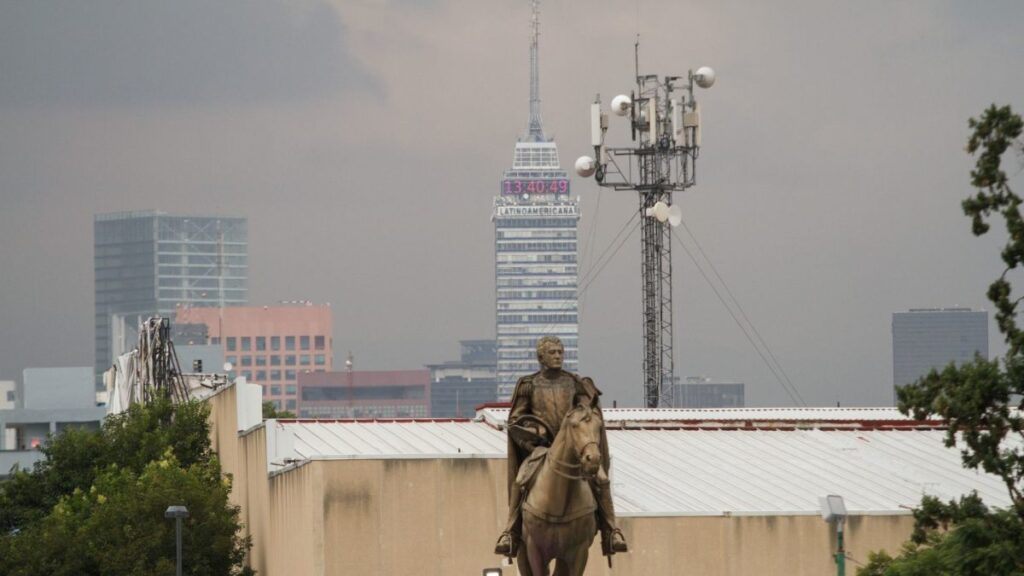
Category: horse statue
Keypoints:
(559, 508)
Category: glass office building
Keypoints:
(926, 338)
(535, 225)
(149, 263)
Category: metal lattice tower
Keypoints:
(666, 130)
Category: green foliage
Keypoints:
(96, 504)
(979, 401)
(270, 412)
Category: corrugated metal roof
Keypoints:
(690, 472)
(498, 416)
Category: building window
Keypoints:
(289, 360)
(232, 344)
(320, 360)
(290, 403)
(261, 343)
(261, 376)
(231, 359)
(275, 375)
(275, 390)
(275, 360)
(277, 404)
(289, 342)
(318, 342)
(246, 360)
(289, 375)
(247, 374)
(10, 395)
(304, 342)
(246, 343)
(261, 360)
(215, 341)
(290, 389)
(304, 360)
(275, 343)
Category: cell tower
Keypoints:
(666, 130)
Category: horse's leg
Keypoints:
(523, 562)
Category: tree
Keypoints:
(980, 401)
(270, 412)
(95, 504)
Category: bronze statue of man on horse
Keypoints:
(544, 404)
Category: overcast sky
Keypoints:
(364, 141)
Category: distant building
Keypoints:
(8, 394)
(149, 263)
(926, 338)
(269, 345)
(703, 392)
(51, 400)
(535, 249)
(457, 387)
(365, 394)
(202, 358)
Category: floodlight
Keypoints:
(705, 77)
(492, 571)
(228, 366)
(176, 512)
(586, 166)
(833, 509)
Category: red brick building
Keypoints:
(270, 345)
(365, 394)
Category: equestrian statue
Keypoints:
(559, 491)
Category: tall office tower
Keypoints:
(535, 224)
(149, 263)
(926, 338)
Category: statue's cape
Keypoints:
(516, 455)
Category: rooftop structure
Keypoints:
(458, 386)
(364, 394)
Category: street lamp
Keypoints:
(492, 571)
(177, 512)
(833, 511)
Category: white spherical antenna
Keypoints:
(675, 215)
(621, 105)
(660, 210)
(228, 366)
(705, 77)
(586, 166)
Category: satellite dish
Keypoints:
(660, 211)
(228, 366)
(621, 105)
(586, 166)
(705, 77)
(675, 215)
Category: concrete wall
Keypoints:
(439, 517)
(53, 388)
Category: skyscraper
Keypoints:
(148, 263)
(535, 223)
(926, 338)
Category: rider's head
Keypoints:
(550, 352)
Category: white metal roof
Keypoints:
(498, 416)
(691, 472)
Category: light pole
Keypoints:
(177, 512)
(833, 511)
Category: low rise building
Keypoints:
(365, 394)
(51, 400)
(457, 387)
(716, 492)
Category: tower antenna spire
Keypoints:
(536, 133)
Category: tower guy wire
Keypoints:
(756, 341)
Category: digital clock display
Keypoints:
(519, 186)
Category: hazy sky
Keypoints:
(364, 141)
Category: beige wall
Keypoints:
(440, 517)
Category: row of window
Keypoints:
(549, 246)
(276, 359)
(534, 235)
(289, 404)
(532, 256)
(245, 343)
(275, 390)
(505, 222)
(271, 375)
(536, 318)
(364, 411)
(536, 294)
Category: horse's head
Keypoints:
(583, 424)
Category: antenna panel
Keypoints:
(596, 125)
(677, 121)
(652, 118)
